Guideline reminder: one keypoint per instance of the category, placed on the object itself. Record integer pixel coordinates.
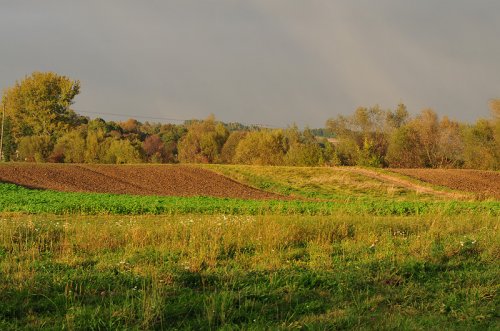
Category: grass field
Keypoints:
(354, 258)
(248, 272)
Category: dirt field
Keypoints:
(171, 180)
(482, 183)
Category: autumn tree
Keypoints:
(229, 149)
(427, 126)
(495, 110)
(481, 149)
(130, 126)
(203, 142)
(450, 144)
(154, 149)
(265, 147)
(364, 136)
(397, 118)
(303, 148)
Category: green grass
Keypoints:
(195, 272)
(16, 199)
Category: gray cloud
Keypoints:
(261, 61)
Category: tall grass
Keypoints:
(249, 272)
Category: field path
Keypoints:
(393, 179)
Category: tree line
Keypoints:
(40, 126)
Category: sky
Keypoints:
(270, 62)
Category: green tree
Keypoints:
(347, 152)
(95, 149)
(40, 105)
(368, 156)
(120, 152)
(35, 148)
(303, 148)
(70, 148)
(8, 145)
(404, 148)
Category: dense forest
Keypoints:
(40, 126)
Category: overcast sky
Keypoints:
(274, 62)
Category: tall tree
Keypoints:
(40, 105)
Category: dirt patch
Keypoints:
(482, 183)
(168, 180)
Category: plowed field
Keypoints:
(169, 180)
(483, 183)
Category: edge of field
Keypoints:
(416, 188)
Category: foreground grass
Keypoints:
(249, 272)
(16, 199)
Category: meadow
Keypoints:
(362, 256)
(248, 272)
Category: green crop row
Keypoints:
(14, 198)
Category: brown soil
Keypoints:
(169, 180)
(482, 183)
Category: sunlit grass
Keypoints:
(226, 271)
(320, 182)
